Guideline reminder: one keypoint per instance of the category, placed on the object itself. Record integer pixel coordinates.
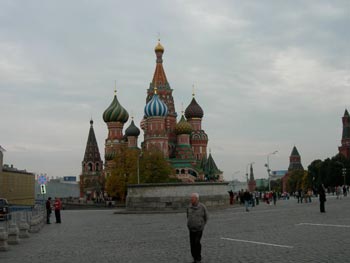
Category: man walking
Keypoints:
(197, 217)
(322, 197)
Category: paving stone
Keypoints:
(101, 236)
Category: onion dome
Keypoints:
(159, 47)
(115, 112)
(132, 130)
(183, 127)
(156, 107)
(194, 110)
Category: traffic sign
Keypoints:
(42, 179)
(43, 189)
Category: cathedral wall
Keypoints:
(175, 197)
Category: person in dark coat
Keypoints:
(197, 217)
(322, 197)
(48, 210)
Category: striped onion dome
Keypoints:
(132, 130)
(156, 107)
(183, 127)
(115, 112)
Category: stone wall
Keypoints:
(174, 196)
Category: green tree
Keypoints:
(154, 168)
(125, 172)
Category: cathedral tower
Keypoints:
(199, 139)
(115, 116)
(164, 91)
(132, 133)
(344, 149)
(155, 132)
(295, 161)
(92, 166)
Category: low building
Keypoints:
(17, 186)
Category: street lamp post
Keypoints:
(267, 165)
(344, 174)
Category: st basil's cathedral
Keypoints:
(183, 143)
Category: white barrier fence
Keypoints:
(19, 224)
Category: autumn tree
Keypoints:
(125, 172)
(154, 168)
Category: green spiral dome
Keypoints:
(115, 112)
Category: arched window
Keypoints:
(177, 171)
(97, 167)
(89, 167)
(182, 171)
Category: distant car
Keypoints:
(4, 209)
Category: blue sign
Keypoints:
(70, 178)
(42, 179)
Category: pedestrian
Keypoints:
(247, 199)
(274, 197)
(48, 210)
(231, 196)
(197, 217)
(58, 206)
(322, 197)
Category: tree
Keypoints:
(295, 180)
(125, 172)
(154, 168)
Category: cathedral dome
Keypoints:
(132, 130)
(183, 127)
(156, 107)
(194, 110)
(159, 47)
(115, 112)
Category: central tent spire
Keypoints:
(159, 78)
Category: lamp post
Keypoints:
(267, 165)
(344, 174)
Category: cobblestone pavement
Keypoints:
(287, 232)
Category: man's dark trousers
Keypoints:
(196, 247)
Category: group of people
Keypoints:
(57, 206)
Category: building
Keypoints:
(344, 149)
(183, 143)
(251, 181)
(294, 165)
(17, 186)
(65, 187)
(91, 178)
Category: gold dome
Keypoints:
(159, 47)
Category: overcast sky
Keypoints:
(268, 74)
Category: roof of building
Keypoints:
(132, 130)
(115, 112)
(92, 152)
(295, 152)
(183, 127)
(156, 107)
(193, 110)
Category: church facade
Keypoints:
(181, 139)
